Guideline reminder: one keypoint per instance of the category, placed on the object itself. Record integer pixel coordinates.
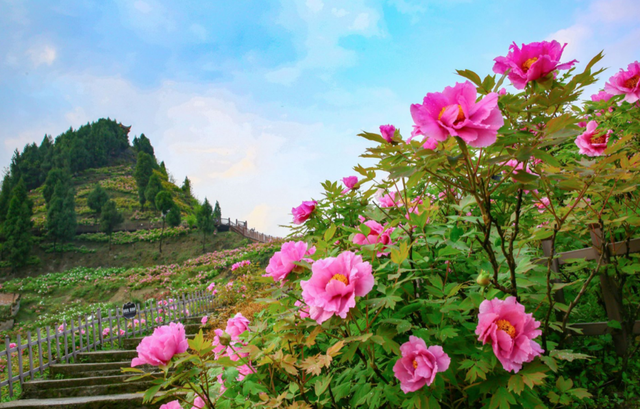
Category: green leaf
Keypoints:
(322, 384)
(372, 137)
(328, 235)
(614, 324)
(470, 75)
(563, 385)
(546, 157)
(516, 384)
(502, 399)
(568, 355)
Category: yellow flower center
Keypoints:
(632, 82)
(506, 326)
(415, 364)
(340, 278)
(527, 64)
(601, 138)
(459, 118)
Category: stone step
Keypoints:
(192, 329)
(87, 390)
(124, 401)
(43, 384)
(85, 370)
(132, 343)
(107, 356)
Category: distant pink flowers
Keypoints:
(510, 331)
(198, 403)
(387, 132)
(626, 83)
(593, 142)
(334, 284)
(159, 348)
(542, 204)
(303, 212)
(531, 62)
(240, 264)
(303, 309)
(237, 325)
(204, 320)
(378, 234)
(282, 262)
(455, 112)
(419, 364)
(349, 183)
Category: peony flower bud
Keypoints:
(225, 339)
(484, 279)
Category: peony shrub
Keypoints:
(435, 284)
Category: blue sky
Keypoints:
(260, 101)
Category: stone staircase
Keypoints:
(94, 382)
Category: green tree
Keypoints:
(110, 218)
(55, 175)
(142, 173)
(5, 196)
(61, 214)
(97, 198)
(143, 144)
(174, 218)
(153, 188)
(206, 221)
(163, 171)
(164, 203)
(17, 227)
(186, 187)
(217, 213)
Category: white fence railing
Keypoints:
(87, 333)
(242, 228)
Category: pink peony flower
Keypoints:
(388, 200)
(174, 404)
(281, 263)
(626, 82)
(211, 287)
(455, 112)
(237, 325)
(531, 62)
(387, 132)
(378, 234)
(204, 320)
(592, 142)
(334, 284)
(503, 91)
(601, 96)
(218, 347)
(61, 328)
(106, 331)
(13, 345)
(510, 331)
(349, 182)
(159, 348)
(542, 204)
(419, 364)
(198, 403)
(303, 310)
(302, 213)
(430, 143)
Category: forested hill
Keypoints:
(90, 180)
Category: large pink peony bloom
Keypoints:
(334, 285)
(626, 82)
(389, 200)
(510, 331)
(387, 132)
(419, 364)
(302, 213)
(349, 182)
(237, 325)
(601, 96)
(593, 142)
(174, 404)
(455, 112)
(281, 263)
(159, 348)
(198, 403)
(218, 349)
(378, 234)
(532, 61)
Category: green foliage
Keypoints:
(174, 217)
(97, 198)
(217, 212)
(110, 218)
(17, 227)
(142, 174)
(186, 187)
(61, 214)
(206, 220)
(153, 188)
(54, 176)
(143, 144)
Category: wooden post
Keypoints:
(49, 346)
(9, 364)
(40, 351)
(66, 341)
(99, 317)
(30, 348)
(20, 372)
(610, 292)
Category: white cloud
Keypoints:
(42, 54)
(315, 5)
(361, 22)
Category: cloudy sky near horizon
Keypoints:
(258, 102)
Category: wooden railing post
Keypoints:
(610, 292)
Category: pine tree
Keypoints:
(143, 172)
(186, 187)
(61, 214)
(164, 203)
(174, 218)
(97, 198)
(153, 188)
(55, 175)
(143, 144)
(5, 196)
(163, 171)
(17, 227)
(206, 222)
(110, 219)
(217, 213)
